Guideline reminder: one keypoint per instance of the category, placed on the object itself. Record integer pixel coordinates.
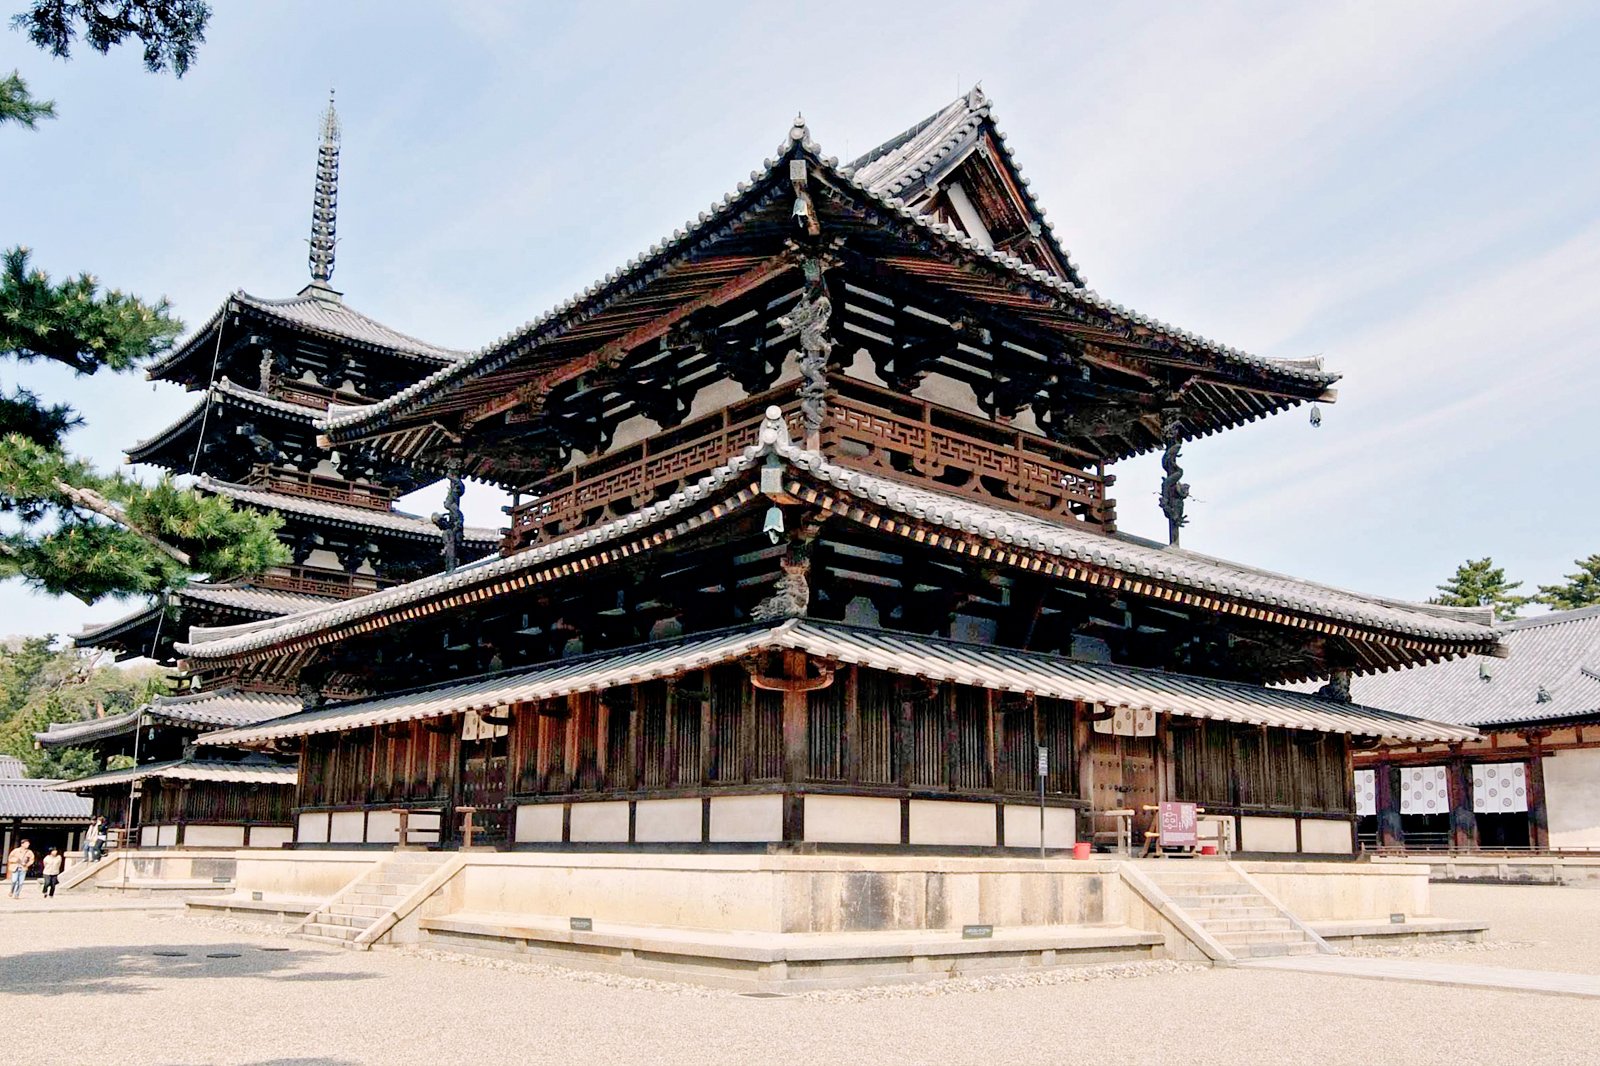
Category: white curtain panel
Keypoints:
(1366, 793)
(1423, 790)
(1499, 788)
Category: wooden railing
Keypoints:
(308, 395)
(637, 476)
(321, 487)
(882, 431)
(866, 427)
(316, 581)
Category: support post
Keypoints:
(1387, 784)
(795, 713)
(1538, 813)
(1463, 823)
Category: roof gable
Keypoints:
(956, 166)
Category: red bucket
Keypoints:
(1080, 850)
(1208, 849)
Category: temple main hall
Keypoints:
(814, 544)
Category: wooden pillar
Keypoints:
(852, 722)
(1463, 823)
(708, 747)
(635, 774)
(602, 739)
(1083, 734)
(1386, 778)
(991, 736)
(576, 712)
(1538, 813)
(796, 704)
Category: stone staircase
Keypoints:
(1219, 901)
(371, 898)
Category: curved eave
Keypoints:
(407, 424)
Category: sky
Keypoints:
(1406, 190)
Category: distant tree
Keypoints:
(72, 529)
(1581, 589)
(40, 685)
(1480, 583)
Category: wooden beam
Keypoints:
(532, 392)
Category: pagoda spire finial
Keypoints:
(325, 205)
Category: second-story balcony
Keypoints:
(866, 427)
(321, 487)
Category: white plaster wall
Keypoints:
(347, 827)
(716, 396)
(746, 819)
(1572, 797)
(1322, 836)
(1266, 834)
(951, 822)
(633, 430)
(166, 836)
(853, 820)
(601, 822)
(539, 823)
(270, 836)
(948, 392)
(213, 836)
(1022, 827)
(147, 836)
(424, 827)
(862, 368)
(324, 558)
(313, 828)
(383, 827)
(667, 821)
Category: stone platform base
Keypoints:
(762, 921)
(1574, 870)
(1449, 930)
(788, 962)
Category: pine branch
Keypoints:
(18, 105)
(90, 500)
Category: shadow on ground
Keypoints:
(127, 969)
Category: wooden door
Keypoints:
(1124, 776)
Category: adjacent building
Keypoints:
(1530, 780)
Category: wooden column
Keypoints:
(795, 714)
(635, 774)
(1463, 823)
(1083, 735)
(1538, 813)
(1386, 779)
(852, 723)
(707, 731)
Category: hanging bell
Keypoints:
(1316, 415)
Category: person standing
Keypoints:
(53, 861)
(17, 864)
(94, 840)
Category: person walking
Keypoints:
(17, 864)
(53, 861)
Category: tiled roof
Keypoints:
(347, 423)
(11, 766)
(245, 772)
(223, 707)
(916, 656)
(938, 143)
(397, 522)
(240, 598)
(317, 310)
(249, 600)
(66, 734)
(1065, 539)
(1558, 654)
(225, 392)
(33, 799)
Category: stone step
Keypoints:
(332, 932)
(1206, 898)
(1274, 936)
(329, 940)
(386, 888)
(1228, 888)
(407, 877)
(350, 921)
(359, 910)
(1267, 951)
(1218, 926)
(367, 899)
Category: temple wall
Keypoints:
(1316, 891)
(1267, 834)
(1327, 836)
(748, 819)
(1572, 797)
(213, 836)
(852, 820)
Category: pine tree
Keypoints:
(1479, 583)
(1581, 589)
(75, 530)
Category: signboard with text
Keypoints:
(1178, 825)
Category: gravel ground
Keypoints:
(308, 1006)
